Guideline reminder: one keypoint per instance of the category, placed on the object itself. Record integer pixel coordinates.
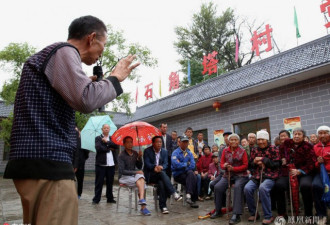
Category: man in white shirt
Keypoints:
(106, 159)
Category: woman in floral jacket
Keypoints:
(302, 155)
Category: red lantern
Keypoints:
(216, 105)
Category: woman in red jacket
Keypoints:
(322, 152)
(203, 168)
(234, 161)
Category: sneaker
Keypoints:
(268, 221)
(189, 201)
(177, 197)
(95, 203)
(142, 202)
(207, 197)
(201, 199)
(194, 205)
(165, 210)
(145, 212)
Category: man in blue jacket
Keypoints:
(155, 165)
(183, 165)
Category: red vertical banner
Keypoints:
(136, 94)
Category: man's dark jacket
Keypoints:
(102, 149)
(149, 158)
(168, 144)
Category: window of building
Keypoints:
(204, 132)
(244, 128)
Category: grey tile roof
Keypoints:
(5, 110)
(119, 118)
(309, 55)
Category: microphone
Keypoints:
(98, 71)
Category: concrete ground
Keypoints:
(105, 213)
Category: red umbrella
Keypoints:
(140, 131)
(294, 185)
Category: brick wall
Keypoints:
(308, 99)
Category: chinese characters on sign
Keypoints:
(325, 8)
(262, 38)
(148, 93)
(174, 81)
(210, 63)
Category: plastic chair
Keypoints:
(130, 193)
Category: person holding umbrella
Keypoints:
(128, 160)
(299, 155)
(322, 152)
(265, 161)
(105, 161)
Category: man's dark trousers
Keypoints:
(80, 173)
(164, 186)
(188, 179)
(101, 172)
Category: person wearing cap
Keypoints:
(322, 152)
(235, 162)
(302, 155)
(183, 166)
(264, 159)
(203, 164)
(214, 171)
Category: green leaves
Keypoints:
(211, 31)
(6, 125)
(14, 56)
(117, 48)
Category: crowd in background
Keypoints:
(245, 165)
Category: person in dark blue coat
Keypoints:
(155, 165)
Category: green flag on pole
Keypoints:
(296, 23)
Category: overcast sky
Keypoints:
(150, 23)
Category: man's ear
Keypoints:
(91, 38)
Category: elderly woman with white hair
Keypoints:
(301, 154)
(234, 161)
(322, 152)
(265, 161)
